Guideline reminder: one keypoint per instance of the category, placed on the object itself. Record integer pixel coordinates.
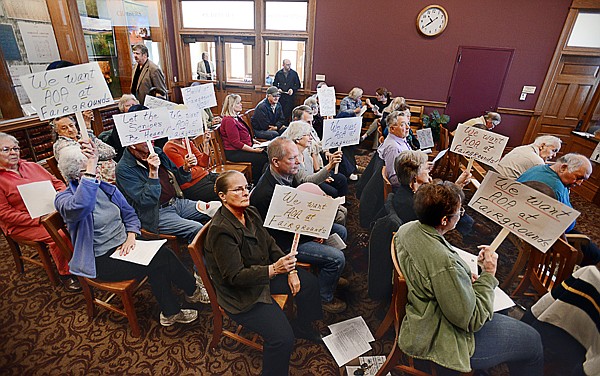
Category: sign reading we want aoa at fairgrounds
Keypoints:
(531, 215)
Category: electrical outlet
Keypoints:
(523, 96)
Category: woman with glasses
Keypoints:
(237, 138)
(522, 158)
(247, 266)
(486, 122)
(449, 315)
(15, 220)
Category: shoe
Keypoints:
(307, 332)
(200, 295)
(70, 283)
(482, 229)
(334, 306)
(343, 283)
(185, 316)
(353, 177)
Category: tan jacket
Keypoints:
(150, 76)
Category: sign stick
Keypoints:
(295, 242)
(470, 165)
(499, 239)
(82, 126)
(150, 147)
(337, 166)
(187, 144)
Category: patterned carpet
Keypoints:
(46, 331)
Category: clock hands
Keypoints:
(431, 21)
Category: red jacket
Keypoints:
(234, 133)
(177, 153)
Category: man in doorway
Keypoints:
(267, 120)
(288, 82)
(147, 75)
(206, 68)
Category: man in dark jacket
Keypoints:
(288, 82)
(267, 120)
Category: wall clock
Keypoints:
(432, 20)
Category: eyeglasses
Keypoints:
(461, 212)
(363, 368)
(241, 189)
(7, 150)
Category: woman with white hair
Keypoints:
(522, 158)
(352, 104)
(300, 133)
(101, 222)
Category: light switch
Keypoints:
(523, 96)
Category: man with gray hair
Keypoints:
(570, 170)
(146, 74)
(267, 120)
(486, 122)
(522, 158)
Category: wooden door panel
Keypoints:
(557, 96)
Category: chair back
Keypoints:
(53, 166)
(400, 298)
(55, 225)
(196, 249)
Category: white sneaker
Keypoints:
(200, 295)
(353, 177)
(185, 316)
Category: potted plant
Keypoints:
(434, 121)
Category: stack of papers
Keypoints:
(349, 339)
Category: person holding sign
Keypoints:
(284, 164)
(268, 121)
(146, 74)
(486, 122)
(101, 222)
(449, 315)
(247, 266)
(570, 170)
(125, 103)
(394, 144)
(237, 139)
(15, 220)
(522, 158)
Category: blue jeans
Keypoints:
(267, 135)
(330, 261)
(506, 340)
(181, 219)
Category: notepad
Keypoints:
(143, 253)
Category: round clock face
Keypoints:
(432, 20)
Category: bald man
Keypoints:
(288, 82)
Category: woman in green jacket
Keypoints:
(449, 316)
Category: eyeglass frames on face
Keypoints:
(7, 149)
(241, 189)
(461, 212)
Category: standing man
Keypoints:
(206, 68)
(268, 121)
(288, 82)
(146, 74)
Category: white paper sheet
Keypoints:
(346, 345)
(262, 144)
(440, 155)
(374, 363)
(358, 323)
(143, 252)
(38, 197)
(335, 241)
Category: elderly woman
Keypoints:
(449, 315)
(237, 137)
(352, 104)
(67, 134)
(247, 266)
(124, 104)
(317, 123)
(15, 220)
(300, 133)
(522, 158)
(101, 222)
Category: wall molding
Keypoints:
(515, 111)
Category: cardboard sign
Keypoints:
(66, 91)
(425, 138)
(185, 123)
(199, 96)
(326, 95)
(300, 212)
(341, 132)
(141, 126)
(483, 146)
(154, 102)
(527, 213)
(595, 157)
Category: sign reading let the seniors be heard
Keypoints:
(326, 96)
(527, 213)
(66, 91)
(300, 212)
(483, 146)
(141, 126)
(341, 132)
(199, 96)
(185, 123)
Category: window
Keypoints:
(586, 31)
(285, 15)
(278, 50)
(239, 62)
(218, 14)
(196, 51)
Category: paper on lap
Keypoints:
(143, 253)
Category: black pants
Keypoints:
(204, 190)
(270, 322)
(258, 161)
(287, 104)
(591, 252)
(164, 268)
(337, 188)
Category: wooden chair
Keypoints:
(41, 258)
(387, 186)
(396, 359)
(53, 166)
(545, 270)
(125, 289)
(520, 264)
(217, 161)
(196, 249)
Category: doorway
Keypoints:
(477, 82)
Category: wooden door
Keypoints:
(569, 97)
(477, 82)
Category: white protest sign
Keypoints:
(596, 154)
(425, 138)
(527, 213)
(326, 95)
(199, 96)
(185, 123)
(140, 126)
(483, 146)
(38, 197)
(154, 102)
(66, 91)
(341, 132)
(301, 212)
